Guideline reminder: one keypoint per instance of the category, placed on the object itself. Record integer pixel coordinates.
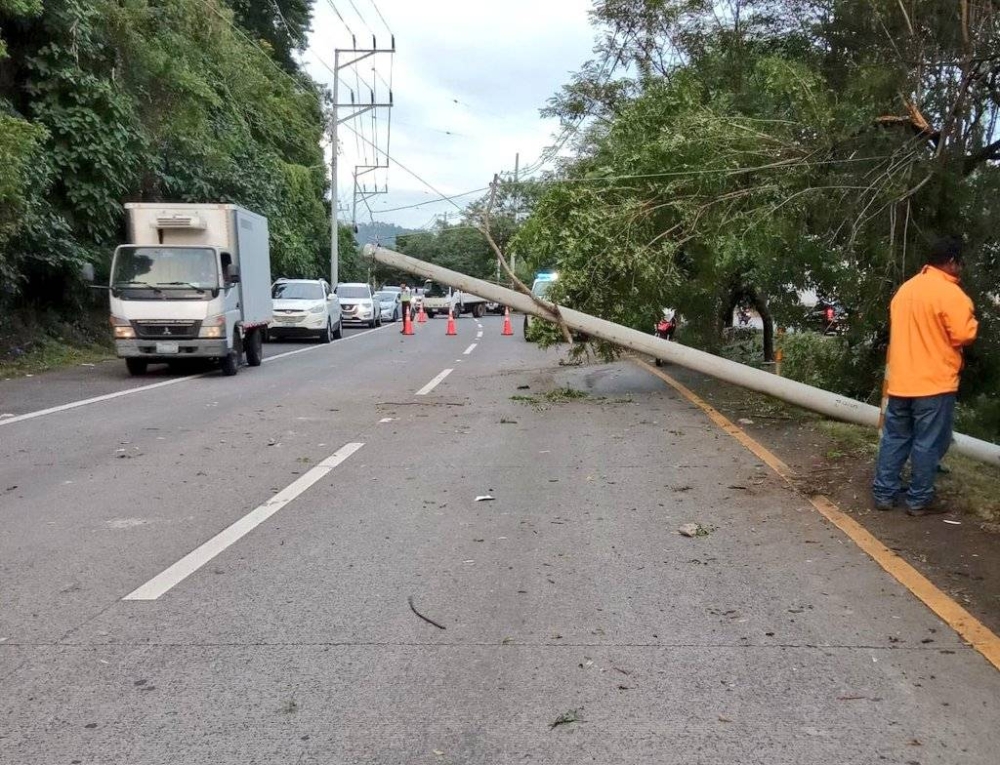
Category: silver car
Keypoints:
(388, 300)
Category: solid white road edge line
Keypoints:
(153, 386)
(182, 569)
(470, 349)
(434, 383)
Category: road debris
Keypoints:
(485, 498)
(744, 421)
(413, 608)
(693, 530)
(953, 523)
(566, 718)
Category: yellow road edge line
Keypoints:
(973, 631)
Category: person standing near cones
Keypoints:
(931, 320)
(405, 298)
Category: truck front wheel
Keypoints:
(136, 367)
(231, 361)
(478, 310)
(255, 347)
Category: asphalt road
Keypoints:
(221, 570)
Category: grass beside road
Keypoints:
(844, 455)
(967, 486)
(48, 353)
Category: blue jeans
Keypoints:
(918, 429)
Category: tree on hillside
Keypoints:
(104, 102)
(283, 24)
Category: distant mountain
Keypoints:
(384, 233)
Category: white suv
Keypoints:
(304, 307)
(359, 304)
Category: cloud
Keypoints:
(468, 80)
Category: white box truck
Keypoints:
(439, 298)
(193, 282)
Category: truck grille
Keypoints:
(154, 329)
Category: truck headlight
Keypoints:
(213, 328)
(121, 328)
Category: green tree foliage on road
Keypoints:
(108, 101)
(746, 151)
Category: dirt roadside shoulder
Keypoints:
(958, 551)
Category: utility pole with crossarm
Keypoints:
(344, 58)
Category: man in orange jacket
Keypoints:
(931, 320)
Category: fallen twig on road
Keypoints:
(413, 608)
(566, 718)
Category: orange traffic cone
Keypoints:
(451, 324)
(407, 324)
(507, 329)
(421, 316)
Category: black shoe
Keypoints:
(932, 509)
(891, 504)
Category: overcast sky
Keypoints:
(469, 77)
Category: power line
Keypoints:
(406, 169)
(355, 7)
(339, 16)
(381, 17)
(214, 9)
(435, 201)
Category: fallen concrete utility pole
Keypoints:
(806, 396)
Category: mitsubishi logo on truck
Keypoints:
(166, 330)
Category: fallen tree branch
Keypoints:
(550, 308)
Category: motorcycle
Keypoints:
(664, 329)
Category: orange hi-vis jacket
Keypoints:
(931, 319)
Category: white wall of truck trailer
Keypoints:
(193, 281)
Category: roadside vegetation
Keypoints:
(750, 152)
(104, 102)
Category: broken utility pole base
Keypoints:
(806, 396)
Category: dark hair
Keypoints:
(945, 250)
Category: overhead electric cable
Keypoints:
(434, 201)
(339, 16)
(406, 169)
(381, 17)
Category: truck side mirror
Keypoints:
(87, 272)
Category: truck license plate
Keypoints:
(168, 348)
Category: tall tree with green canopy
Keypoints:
(283, 24)
(108, 101)
(775, 146)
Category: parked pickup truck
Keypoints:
(193, 282)
(441, 299)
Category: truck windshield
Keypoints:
(435, 290)
(165, 273)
